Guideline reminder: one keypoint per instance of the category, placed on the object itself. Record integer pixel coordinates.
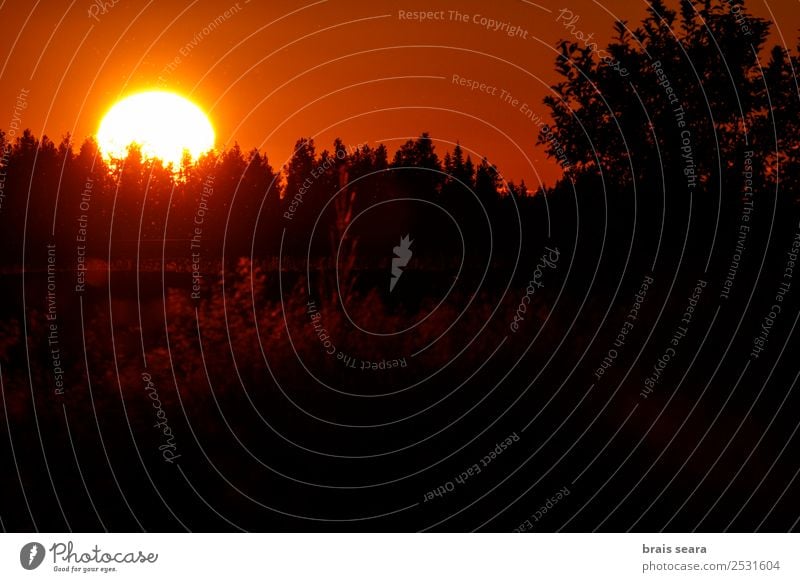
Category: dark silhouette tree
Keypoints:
(419, 154)
(648, 151)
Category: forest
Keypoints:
(254, 298)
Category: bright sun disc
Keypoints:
(163, 124)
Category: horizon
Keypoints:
(246, 153)
(203, 58)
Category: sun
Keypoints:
(163, 124)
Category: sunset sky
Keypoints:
(269, 73)
(337, 344)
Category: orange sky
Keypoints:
(270, 72)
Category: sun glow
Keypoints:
(163, 124)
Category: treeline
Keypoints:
(660, 166)
(237, 203)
